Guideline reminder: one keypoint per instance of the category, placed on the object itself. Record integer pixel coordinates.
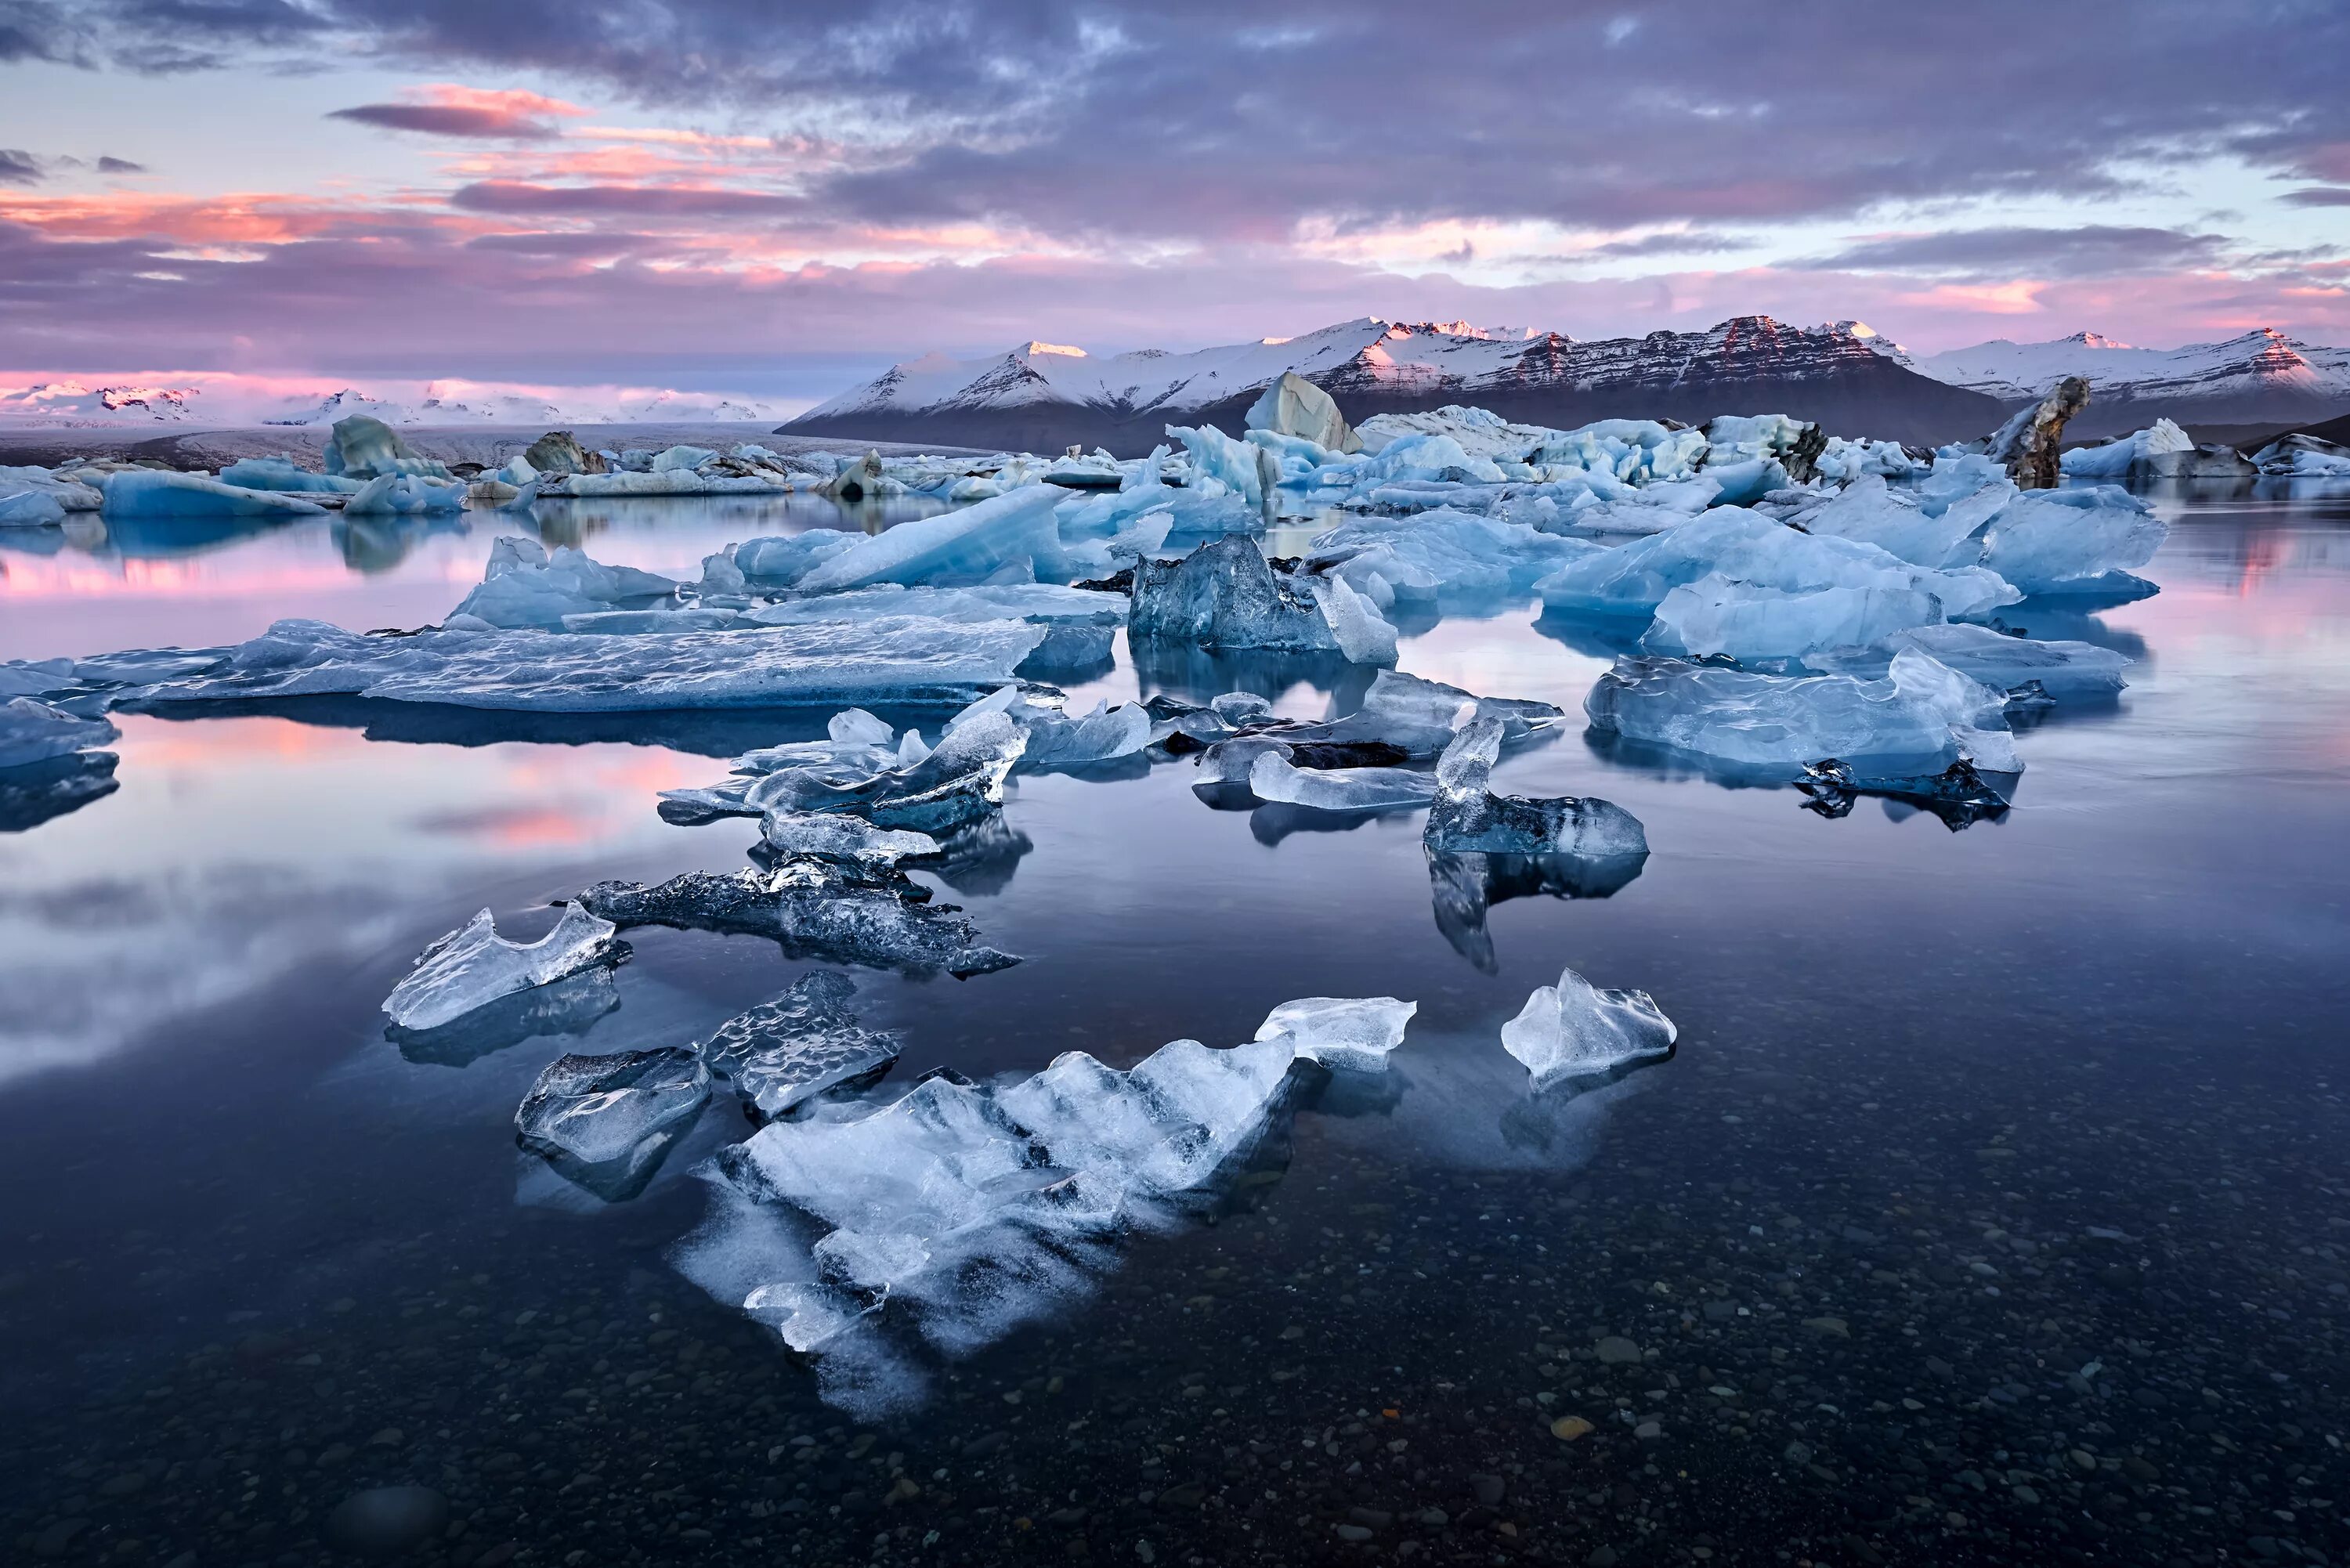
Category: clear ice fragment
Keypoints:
(473, 966)
(1575, 1030)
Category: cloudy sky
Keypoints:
(733, 196)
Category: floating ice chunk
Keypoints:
(606, 1122)
(1056, 739)
(405, 494)
(668, 482)
(29, 508)
(473, 966)
(905, 660)
(69, 492)
(150, 493)
(2066, 541)
(1220, 465)
(806, 1042)
(1223, 595)
(362, 447)
(2116, 459)
(1273, 778)
(1744, 622)
(1922, 711)
(1844, 460)
(815, 910)
(1959, 795)
(1901, 524)
(1345, 1034)
(2294, 456)
(33, 732)
(1466, 815)
(523, 585)
(1363, 635)
(830, 836)
(1013, 533)
(682, 457)
(2065, 669)
(1419, 717)
(283, 473)
(1575, 1030)
(1744, 546)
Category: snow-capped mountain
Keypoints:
(2261, 376)
(1042, 396)
(481, 409)
(71, 403)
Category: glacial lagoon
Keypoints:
(1987, 1208)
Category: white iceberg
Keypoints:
(524, 585)
(1575, 1030)
(473, 966)
(1744, 622)
(406, 495)
(2117, 459)
(283, 474)
(1004, 539)
(2070, 541)
(1443, 557)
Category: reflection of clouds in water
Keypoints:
(93, 966)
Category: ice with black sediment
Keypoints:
(959, 1211)
(473, 966)
(1575, 1030)
(606, 1123)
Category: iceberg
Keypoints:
(2064, 671)
(1224, 595)
(807, 1043)
(363, 447)
(1466, 815)
(776, 562)
(667, 482)
(1927, 530)
(151, 493)
(524, 585)
(30, 509)
(1575, 1030)
(1452, 560)
(70, 492)
(2294, 456)
(1055, 737)
(569, 1007)
(282, 473)
(2070, 541)
(473, 966)
(2117, 459)
(1921, 709)
(606, 1122)
(1222, 466)
(815, 910)
(1345, 1034)
(33, 732)
(404, 495)
(1294, 405)
(896, 658)
(1010, 538)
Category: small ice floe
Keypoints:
(806, 1042)
(606, 1123)
(473, 966)
(34, 731)
(1575, 1030)
(1346, 1034)
(1466, 815)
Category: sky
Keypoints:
(728, 195)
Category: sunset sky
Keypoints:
(725, 195)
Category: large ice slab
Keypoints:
(1043, 603)
(606, 1122)
(283, 473)
(1223, 595)
(2068, 541)
(1449, 558)
(34, 731)
(150, 493)
(962, 1210)
(807, 1043)
(1921, 711)
(1744, 622)
(1466, 815)
(67, 491)
(362, 446)
(473, 966)
(1575, 1030)
(896, 658)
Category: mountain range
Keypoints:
(72, 405)
(1854, 380)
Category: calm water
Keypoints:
(1993, 1209)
